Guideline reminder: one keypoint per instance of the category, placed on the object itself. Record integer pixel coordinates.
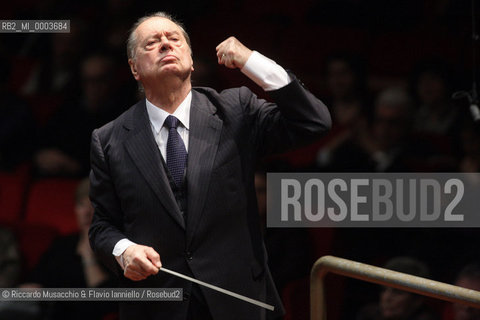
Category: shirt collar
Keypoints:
(157, 115)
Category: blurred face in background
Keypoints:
(462, 312)
(340, 79)
(97, 81)
(397, 304)
(84, 213)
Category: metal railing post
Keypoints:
(384, 277)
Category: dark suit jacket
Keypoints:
(221, 242)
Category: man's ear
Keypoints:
(133, 69)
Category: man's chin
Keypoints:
(173, 72)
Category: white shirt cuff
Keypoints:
(265, 72)
(120, 248)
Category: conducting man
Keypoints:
(172, 179)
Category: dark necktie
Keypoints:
(176, 152)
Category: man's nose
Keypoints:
(165, 45)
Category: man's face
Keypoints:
(162, 51)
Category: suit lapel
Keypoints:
(143, 150)
(204, 136)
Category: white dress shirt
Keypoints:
(260, 69)
(157, 117)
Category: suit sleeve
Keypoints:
(105, 230)
(296, 118)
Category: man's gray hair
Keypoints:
(132, 37)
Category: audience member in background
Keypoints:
(10, 269)
(383, 146)
(470, 146)
(289, 249)
(65, 142)
(10, 265)
(349, 105)
(437, 121)
(349, 102)
(16, 124)
(70, 263)
(346, 83)
(432, 88)
(56, 73)
(395, 304)
(120, 15)
(469, 277)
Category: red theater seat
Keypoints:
(33, 241)
(51, 203)
(12, 193)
